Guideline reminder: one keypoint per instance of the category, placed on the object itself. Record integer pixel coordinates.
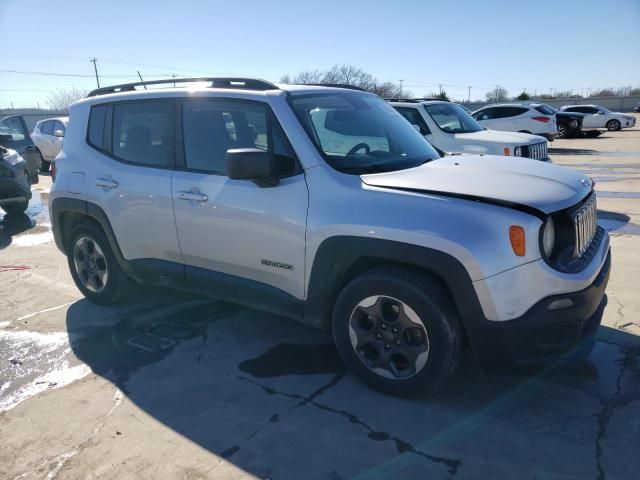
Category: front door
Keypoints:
(234, 231)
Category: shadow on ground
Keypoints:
(272, 396)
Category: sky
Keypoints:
(534, 45)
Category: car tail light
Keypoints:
(542, 119)
(506, 151)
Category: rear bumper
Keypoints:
(543, 335)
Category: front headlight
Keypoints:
(517, 152)
(548, 237)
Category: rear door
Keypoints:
(131, 180)
(487, 117)
(234, 231)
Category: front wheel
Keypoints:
(563, 131)
(397, 330)
(94, 267)
(613, 125)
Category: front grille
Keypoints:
(585, 224)
(537, 151)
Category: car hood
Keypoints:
(517, 183)
(501, 137)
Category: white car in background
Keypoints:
(450, 128)
(600, 117)
(48, 136)
(534, 118)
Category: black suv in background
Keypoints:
(14, 134)
(569, 124)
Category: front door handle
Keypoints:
(193, 196)
(106, 183)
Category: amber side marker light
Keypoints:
(506, 152)
(516, 236)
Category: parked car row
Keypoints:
(325, 205)
(544, 120)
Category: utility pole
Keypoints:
(401, 87)
(498, 96)
(145, 87)
(95, 68)
(440, 86)
(469, 95)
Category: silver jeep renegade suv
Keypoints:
(325, 205)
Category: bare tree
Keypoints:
(61, 98)
(605, 92)
(345, 75)
(497, 94)
(634, 91)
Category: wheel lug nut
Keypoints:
(397, 342)
(384, 326)
(378, 336)
(395, 329)
(387, 346)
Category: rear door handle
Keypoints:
(193, 196)
(106, 183)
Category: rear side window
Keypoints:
(211, 127)
(47, 127)
(545, 110)
(96, 126)
(506, 112)
(142, 133)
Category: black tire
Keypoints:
(613, 125)
(116, 283)
(432, 305)
(563, 131)
(44, 165)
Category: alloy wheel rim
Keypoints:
(389, 337)
(90, 264)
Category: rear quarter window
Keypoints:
(95, 134)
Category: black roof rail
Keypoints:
(216, 82)
(413, 100)
(334, 85)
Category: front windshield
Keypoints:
(360, 133)
(452, 118)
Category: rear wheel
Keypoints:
(613, 125)
(397, 330)
(21, 206)
(94, 267)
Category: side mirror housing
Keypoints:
(59, 133)
(252, 164)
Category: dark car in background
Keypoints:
(569, 124)
(15, 182)
(14, 135)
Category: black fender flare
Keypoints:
(62, 205)
(337, 260)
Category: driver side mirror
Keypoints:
(58, 133)
(252, 164)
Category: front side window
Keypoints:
(414, 118)
(59, 126)
(359, 133)
(452, 118)
(486, 114)
(13, 126)
(213, 126)
(143, 133)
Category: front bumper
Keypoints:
(544, 335)
(12, 190)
